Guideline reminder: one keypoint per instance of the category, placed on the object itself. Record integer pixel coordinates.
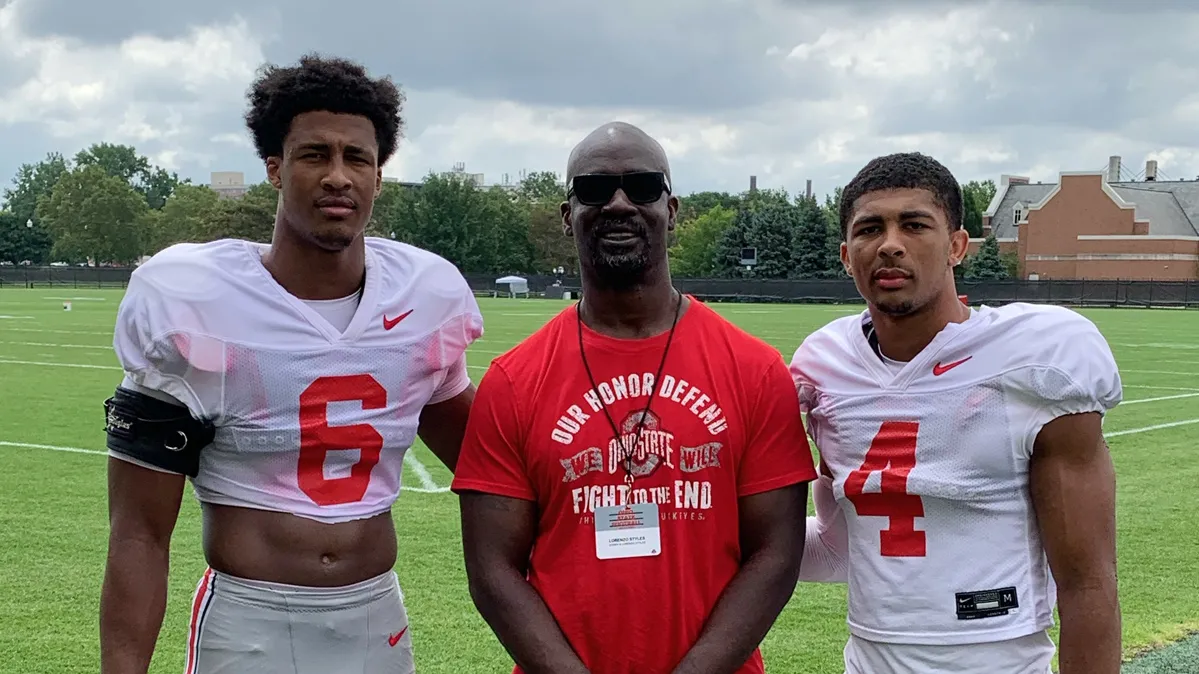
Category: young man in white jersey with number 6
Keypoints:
(286, 382)
(966, 486)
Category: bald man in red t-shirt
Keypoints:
(634, 476)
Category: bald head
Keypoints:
(616, 147)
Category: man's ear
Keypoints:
(274, 171)
(564, 209)
(959, 246)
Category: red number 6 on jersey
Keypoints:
(893, 451)
(317, 438)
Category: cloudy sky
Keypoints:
(784, 89)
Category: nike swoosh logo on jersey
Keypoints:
(395, 638)
(389, 323)
(940, 369)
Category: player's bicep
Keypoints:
(443, 425)
(157, 434)
(143, 504)
(497, 532)
(1073, 489)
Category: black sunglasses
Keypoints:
(597, 189)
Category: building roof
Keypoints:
(1171, 207)
(1003, 223)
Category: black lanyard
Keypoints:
(627, 452)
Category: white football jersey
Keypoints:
(310, 420)
(930, 466)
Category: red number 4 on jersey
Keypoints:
(893, 451)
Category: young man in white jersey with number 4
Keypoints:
(965, 483)
(287, 382)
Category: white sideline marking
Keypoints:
(16, 317)
(78, 299)
(1153, 400)
(1162, 388)
(428, 486)
(1185, 374)
(1172, 424)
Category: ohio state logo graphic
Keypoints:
(654, 448)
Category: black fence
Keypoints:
(1081, 292)
(70, 277)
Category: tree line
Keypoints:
(109, 205)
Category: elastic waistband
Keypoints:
(283, 597)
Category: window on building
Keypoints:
(1018, 213)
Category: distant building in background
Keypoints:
(1096, 225)
(228, 184)
(459, 172)
(507, 181)
(402, 183)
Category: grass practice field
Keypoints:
(56, 368)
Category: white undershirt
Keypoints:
(338, 312)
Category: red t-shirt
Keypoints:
(724, 423)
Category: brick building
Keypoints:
(1091, 224)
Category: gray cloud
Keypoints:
(623, 52)
(114, 21)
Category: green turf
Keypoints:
(56, 367)
(1179, 658)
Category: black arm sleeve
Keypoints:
(156, 432)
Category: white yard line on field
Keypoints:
(1157, 345)
(42, 363)
(1163, 388)
(1133, 431)
(428, 486)
(104, 347)
(422, 474)
(54, 448)
(1175, 372)
(47, 364)
(59, 332)
(1153, 400)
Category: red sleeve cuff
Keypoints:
(794, 477)
(460, 485)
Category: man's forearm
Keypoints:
(743, 615)
(132, 605)
(1090, 630)
(524, 624)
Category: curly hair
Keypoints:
(327, 84)
(900, 171)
